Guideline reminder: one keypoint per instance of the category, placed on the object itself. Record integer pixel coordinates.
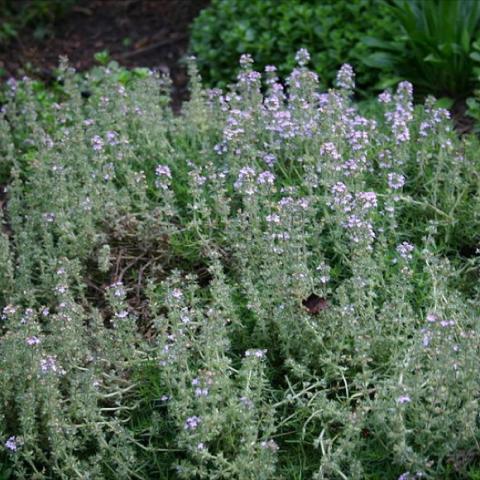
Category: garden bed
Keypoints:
(146, 33)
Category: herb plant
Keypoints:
(269, 285)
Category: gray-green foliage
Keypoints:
(156, 270)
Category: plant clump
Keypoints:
(269, 285)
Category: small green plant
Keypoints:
(40, 14)
(434, 50)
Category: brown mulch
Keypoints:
(146, 33)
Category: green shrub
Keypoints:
(259, 288)
(273, 30)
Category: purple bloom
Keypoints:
(97, 143)
(385, 97)
(403, 399)
(302, 57)
(49, 364)
(176, 293)
(33, 340)
(395, 181)
(367, 199)
(118, 289)
(427, 337)
(192, 422)
(256, 353)
(447, 323)
(405, 250)
(112, 138)
(11, 444)
(246, 60)
(270, 445)
(245, 176)
(269, 159)
(201, 392)
(265, 178)
(273, 218)
(345, 77)
(49, 217)
(163, 171)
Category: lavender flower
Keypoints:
(302, 57)
(118, 289)
(270, 445)
(266, 178)
(345, 77)
(112, 138)
(405, 250)
(402, 399)
(11, 444)
(427, 337)
(191, 423)
(201, 392)
(272, 218)
(246, 60)
(97, 143)
(244, 180)
(33, 340)
(176, 293)
(269, 159)
(256, 353)
(385, 97)
(49, 364)
(163, 171)
(368, 200)
(401, 116)
(395, 181)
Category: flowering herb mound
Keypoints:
(337, 335)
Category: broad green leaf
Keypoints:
(432, 58)
(444, 102)
(475, 56)
(382, 44)
(380, 60)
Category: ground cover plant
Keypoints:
(269, 285)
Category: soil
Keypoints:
(146, 33)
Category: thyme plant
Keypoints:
(269, 285)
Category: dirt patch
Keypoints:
(147, 33)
